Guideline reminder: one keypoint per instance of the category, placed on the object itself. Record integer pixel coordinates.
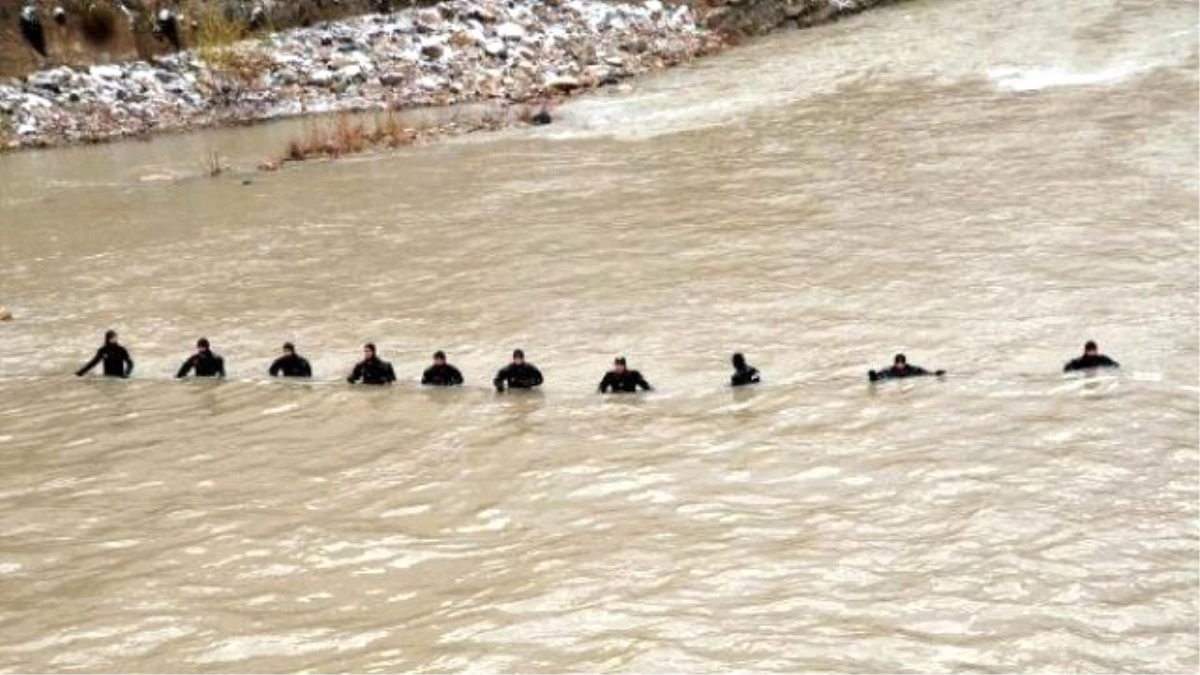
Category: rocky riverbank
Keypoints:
(453, 52)
(456, 51)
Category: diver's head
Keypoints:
(619, 364)
(1090, 348)
(289, 349)
(369, 350)
(739, 361)
(518, 356)
(439, 358)
(110, 337)
(900, 361)
(202, 344)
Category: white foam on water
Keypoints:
(1011, 78)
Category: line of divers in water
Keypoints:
(518, 374)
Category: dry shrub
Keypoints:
(349, 136)
(233, 67)
(213, 165)
(346, 135)
(215, 28)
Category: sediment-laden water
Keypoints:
(981, 187)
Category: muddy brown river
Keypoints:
(983, 187)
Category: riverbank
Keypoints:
(454, 52)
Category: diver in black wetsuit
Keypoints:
(900, 369)
(441, 374)
(518, 374)
(372, 369)
(115, 357)
(204, 362)
(622, 380)
(1092, 358)
(743, 373)
(290, 364)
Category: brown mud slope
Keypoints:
(106, 31)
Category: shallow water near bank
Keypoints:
(975, 188)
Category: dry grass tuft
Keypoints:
(348, 134)
(218, 35)
(214, 26)
(213, 165)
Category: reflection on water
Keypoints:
(934, 178)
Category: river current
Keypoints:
(983, 186)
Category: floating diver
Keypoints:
(290, 364)
(372, 369)
(204, 362)
(1091, 359)
(518, 374)
(441, 374)
(622, 380)
(743, 373)
(899, 370)
(115, 357)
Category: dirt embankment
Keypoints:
(87, 32)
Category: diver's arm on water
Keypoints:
(276, 366)
(356, 374)
(305, 367)
(501, 377)
(641, 382)
(186, 367)
(454, 375)
(128, 362)
(535, 377)
(91, 364)
(606, 382)
(389, 375)
(220, 367)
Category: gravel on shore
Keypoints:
(454, 52)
